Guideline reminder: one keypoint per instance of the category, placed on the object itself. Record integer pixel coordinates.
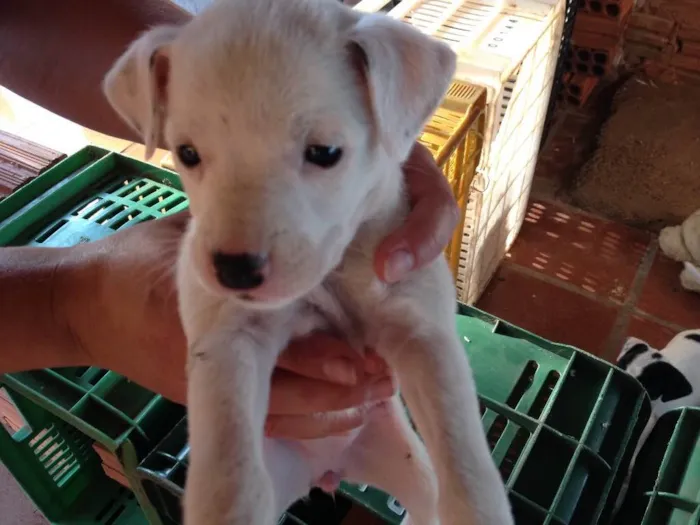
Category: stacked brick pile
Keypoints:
(664, 39)
(596, 46)
(661, 37)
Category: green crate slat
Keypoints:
(665, 484)
(59, 471)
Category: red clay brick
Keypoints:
(635, 51)
(594, 40)
(655, 24)
(642, 36)
(691, 49)
(686, 62)
(588, 23)
(580, 88)
(686, 32)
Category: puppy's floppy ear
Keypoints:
(137, 84)
(663, 380)
(632, 349)
(406, 74)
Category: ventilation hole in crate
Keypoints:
(92, 375)
(152, 201)
(104, 219)
(513, 453)
(173, 204)
(55, 456)
(80, 211)
(544, 394)
(598, 71)
(90, 215)
(51, 230)
(523, 384)
(11, 417)
(125, 188)
(596, 6)
(140, 195)
(496, 431)
(124, 219)
(107, 514)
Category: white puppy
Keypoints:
(288, 121)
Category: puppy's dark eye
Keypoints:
(188, 155)
(322, 156)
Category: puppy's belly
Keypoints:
(328, 457)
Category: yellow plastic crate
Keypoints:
(455, 136)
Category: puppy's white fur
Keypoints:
(682, 243)
(250, 83)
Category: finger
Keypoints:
(292, 394)
(428, 227)
(315, 425)
(322, 356)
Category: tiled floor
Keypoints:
(579, 279)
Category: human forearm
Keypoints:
(36, 294)
(57, 53)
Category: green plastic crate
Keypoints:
(57, 468)
(163, 474)
(88, 196)
(665, 484)
(562, 424)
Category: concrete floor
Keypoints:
(15, 507)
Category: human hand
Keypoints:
(124, 317)
(429, 226)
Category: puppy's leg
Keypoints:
(418, 338)
(228, 391)
(290, 472)
(389, 455)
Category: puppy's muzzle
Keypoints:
(240, 271)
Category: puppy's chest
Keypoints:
(345, 307)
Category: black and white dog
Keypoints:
(671, 377)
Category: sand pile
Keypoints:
(646, 170)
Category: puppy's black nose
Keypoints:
(240, 271)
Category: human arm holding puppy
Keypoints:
(111, 303)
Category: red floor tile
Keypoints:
(664, 298)
(548, 310)
(593, 254)
(655, 334)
